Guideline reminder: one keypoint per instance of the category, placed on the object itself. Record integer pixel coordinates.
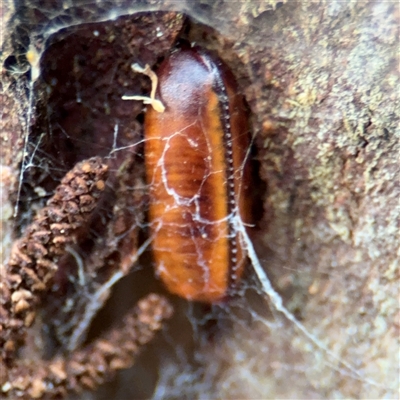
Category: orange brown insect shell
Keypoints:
(198, 177)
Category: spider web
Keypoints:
(230, 350)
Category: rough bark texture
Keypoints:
(322, 83)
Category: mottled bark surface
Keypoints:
(322, 83)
